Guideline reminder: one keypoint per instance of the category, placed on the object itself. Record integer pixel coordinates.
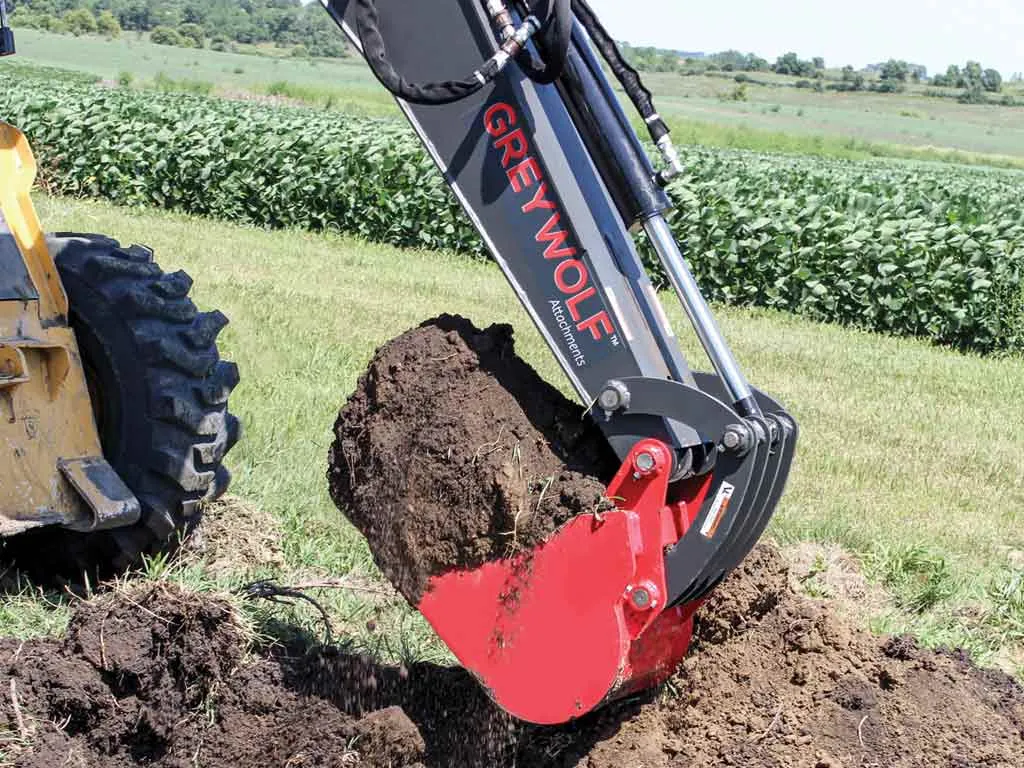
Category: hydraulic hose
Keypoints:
(554, 35)
(555, 38)
(557, 28)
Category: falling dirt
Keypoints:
(158, 677)
(453, 452)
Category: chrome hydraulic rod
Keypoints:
(700, 315)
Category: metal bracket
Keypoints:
(112, 503)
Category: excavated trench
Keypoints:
(452, 452)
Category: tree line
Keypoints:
(191, 23)
(973, 79)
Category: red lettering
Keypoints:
(514, 146)
(581, 276)
(573, 302)
(556, 240)
(499, 118)
(539, 200)
(596, 324)
(524, 174)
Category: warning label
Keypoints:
(717, 511)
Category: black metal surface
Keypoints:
(706, 418)
(621, 159)
(561, 225)
(783, 452)
(15, 283)
(734, 521)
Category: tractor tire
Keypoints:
(159, 392)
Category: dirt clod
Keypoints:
(155, 676)
(453, 452)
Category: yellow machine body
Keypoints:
(51, 465)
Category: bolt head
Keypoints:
(737, 438)
(645, 461)
(614, 397)
(640, 598)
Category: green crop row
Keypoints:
(934, 251)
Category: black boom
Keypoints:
(536, 146)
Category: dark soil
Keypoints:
(427, 461)
(776, 680)
(157, 677)
(453, 452)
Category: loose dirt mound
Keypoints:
(453, 452)
(157, 677)
(160, 678)
(776, 679)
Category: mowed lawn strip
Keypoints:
(910, 454)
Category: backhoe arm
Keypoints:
(538, 150)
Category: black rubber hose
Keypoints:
(623, 71)
(445, 92)
(554, 38)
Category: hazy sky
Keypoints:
(935, 33)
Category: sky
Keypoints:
(935, 33)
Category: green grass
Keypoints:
(230, 74)
(758, 136)
(910, 454)
(773, 119)
(872, 120)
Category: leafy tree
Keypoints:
(851, 80)
(166, 36)
(80, 22)
(973, 94)
(193, 34)
(286, 23)
(991, 81)
(973, 79)
(895, 71)
(819, 62)
(107, 24)
(791, 64)
(756, 63)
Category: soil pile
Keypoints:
(453, 452)
(154, 676)
(776, 679)
(157, 677)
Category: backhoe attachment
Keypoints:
(537, 148)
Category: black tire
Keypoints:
(159, 391)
